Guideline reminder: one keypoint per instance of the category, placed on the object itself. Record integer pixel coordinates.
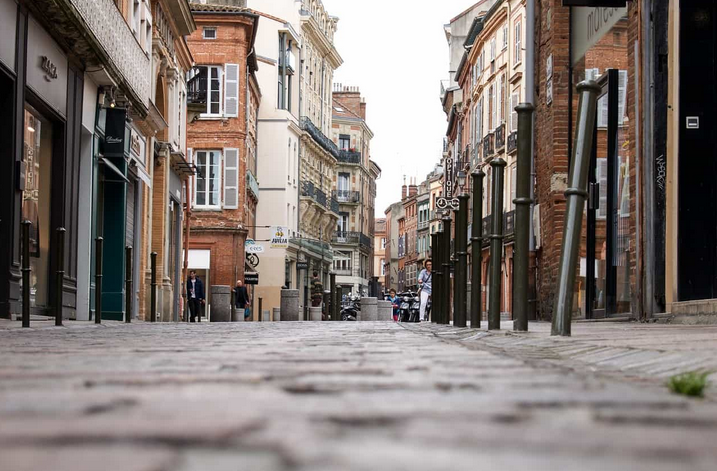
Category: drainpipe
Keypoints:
(530, 99)
(187, 214)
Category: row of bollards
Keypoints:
(576, 195)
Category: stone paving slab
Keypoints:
(328, 396)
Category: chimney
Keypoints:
(413, 189)
(404, 189)
(363, 110)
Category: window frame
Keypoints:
(218, 205)
(209, 28)
(518, 42)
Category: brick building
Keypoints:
(223, 88)
(379, 252)
(409, 197)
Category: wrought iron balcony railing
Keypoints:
(346, 237)
(349, 157)
(334, 206)
(318, 136)
(308, 189)
(321, 198)
(512, 142)
(500, 137)
(347, 196)
(488, 146)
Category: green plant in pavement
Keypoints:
(691, 384)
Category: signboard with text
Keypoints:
(279, 237)
(251, 278)
(589, 25)
(250, 246)
(448, 179)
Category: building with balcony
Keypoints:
(354, 188)
(394, 214)
(380, 266)
(222, 138)
(411, 264)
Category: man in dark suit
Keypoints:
(195, 296)
(241, 299)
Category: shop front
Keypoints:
(41, 158)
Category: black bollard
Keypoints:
(496, 245)
(460, 281)
(335, 310)
(260, 314)
(446, 256)
(128, 284)
(576, 194)
(521, 253)
(477, 250)
(153, 288)
(327, 305)
(233, 307)
(435, 297)
(98, 280)
(60, 275)
(26, 273)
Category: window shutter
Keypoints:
(602, 112)
(513, 184)
(601, 175)
(231, 178)
(514, 98)
(231, 90)
(621, 97)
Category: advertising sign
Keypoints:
(279, 237)
(250, 246)
(251, 278)
(589, 25)
(448, 179)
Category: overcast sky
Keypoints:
(396, 52)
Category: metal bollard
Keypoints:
(496, 244)
(98, 280)
(477, 250)
(153, 288)
(446, 255)
(335, 312)
(128, 284)
(60, 275)
(439, 302)
(521, 251)
(576, 194)
(260, 314)
(436, 276)
(460, 281)
(26, 273)
(327, 305)
(233, 307)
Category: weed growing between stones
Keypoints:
(690, 384)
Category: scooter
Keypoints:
(350, 311)
(410, 307)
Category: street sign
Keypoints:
(250, 246)
(448, 179)
(251, 278)
(302, 265)
(447, 203)
(279, 237)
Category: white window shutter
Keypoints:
(621, 97)
(231, 178)
(602, 112)
(231, 90)
(601, 178)
(514, 99)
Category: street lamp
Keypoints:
(461, 180)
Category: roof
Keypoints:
(467, 10)
(206, 8)
(475, 30)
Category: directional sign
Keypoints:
(250, 246)
(447, 203)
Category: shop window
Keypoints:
(208, 181)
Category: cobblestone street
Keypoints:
(325, 396)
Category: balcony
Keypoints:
(349, 157)
(347, 196)
(488, 146)
(318, 136)
(500, 137)
(512, 142)
(308, 189)
(423, 225)
(334, 206)
(321, 198)
(508, 226)
(347, 237)
(365, 241)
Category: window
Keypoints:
(344, 142)
(205, 87)
(592, 74)
(208, 181)
(383, 243)
(492, 49)
(286, 71)
(514, 101)
(209, 32)
(383, 267)
(518, 45)
(505, 37)
(491, 108)
(502, 99)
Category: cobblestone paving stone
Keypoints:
(325, 396)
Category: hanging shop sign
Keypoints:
(448, 179)
(115, 132)
(279, 237)
(589, 25)
(250, 246)
(251, 278)
(302, 265)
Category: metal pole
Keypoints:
(439, 302)
(128, 284)
(233, 307)
(460, 284)
(60, 276)
(26, 273)
(98, 280)
(446, 255)
(523, 201)
(327, 305)
(153, 288)
(261, 311)
(477, 250)
(576, 194)
(334, 308)
(496, 245)
(436, 276)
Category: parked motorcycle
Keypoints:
(350, 310)
(410, 307)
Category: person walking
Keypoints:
(317, 291)
(425, 279)
(241, 299)
(395, 303)
(195, 295)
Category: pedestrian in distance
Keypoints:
(317, 291)
(195, 295)
(241, 299)
(395, 303)
(425, 279)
